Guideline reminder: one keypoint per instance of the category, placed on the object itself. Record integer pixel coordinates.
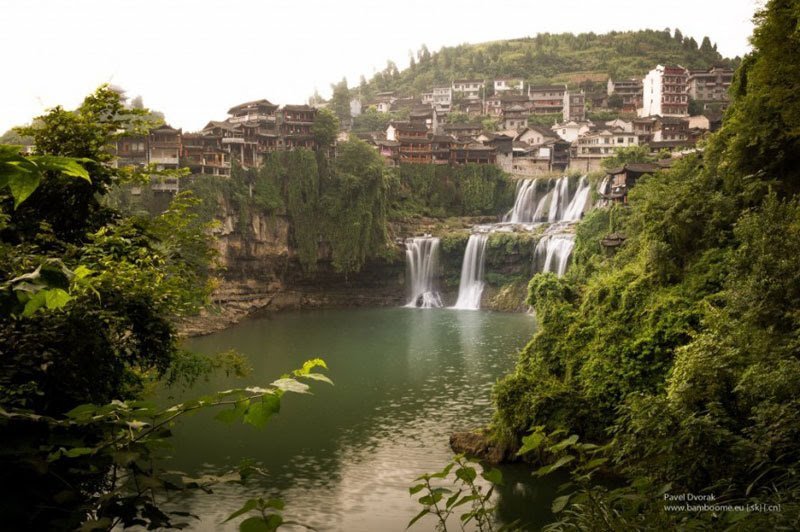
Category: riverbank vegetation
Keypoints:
(90, 299)
(678, 353)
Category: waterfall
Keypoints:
(471, 286)
(559, 201)
(548, 201)
(552, 253)
(422, 259)
(522, 212)
(601, 189)
(578, 203)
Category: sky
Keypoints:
(194, 59)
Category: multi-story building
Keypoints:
(442, 97)
(664, 92)
(547, 99)
(468, 88)
(203, 154)
(463, 130)
(535, 135)
(508, 84)
(574, 106)
(513, 117)
(710, 87)
(440, 148)
(471, 152)
(590, 149)
(252, 112)
(164, 147)
(533, 160)
(662, 132)
(629, 90)
(294, 124)
(471, 107)
(132, 151)
(415, 146)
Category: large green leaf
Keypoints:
(291, 385)
(560, 503)
(65, 165)
(22, 181)
(417, 517)
(259, 412)
(254, 524)
(251, 504)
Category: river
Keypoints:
(344, 457)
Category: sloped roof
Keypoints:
(254, 103)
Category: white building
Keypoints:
(508, 84)
(592, 148)
(442, 96)
(664, 92)
(570, 131)
(468, 88)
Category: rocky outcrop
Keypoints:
(478, 445)
(260, 273)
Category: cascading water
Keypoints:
(537, 201)
(471, 286)
(552, 253)
(422, 259)
(525, 202)
(601, 188)
(548, 201)
(559, 200)
(578, 204)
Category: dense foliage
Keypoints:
(443, 190)
(89, 299)
(680, 351)
(549, 58)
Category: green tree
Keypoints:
(630, 154)
(340, 101)
(326, 126)
(90, 299)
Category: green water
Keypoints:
(343, 458)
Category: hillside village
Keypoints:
(495, 125)
(654, 111)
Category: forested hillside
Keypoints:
(547, 58)
(678, 353)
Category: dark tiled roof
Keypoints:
(302, 107)
(410, 127)
(254, 103)
(547, 88)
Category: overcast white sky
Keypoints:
(194, 59)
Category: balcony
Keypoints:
(250, 118)
(164, 160)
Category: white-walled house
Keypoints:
(508, 84)
(468, 88)
(590, 149)
(534, 135)
(570, 131)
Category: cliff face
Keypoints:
(261, 274)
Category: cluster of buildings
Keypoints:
(251, 130)
(658, 107)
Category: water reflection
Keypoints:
(343, 458)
